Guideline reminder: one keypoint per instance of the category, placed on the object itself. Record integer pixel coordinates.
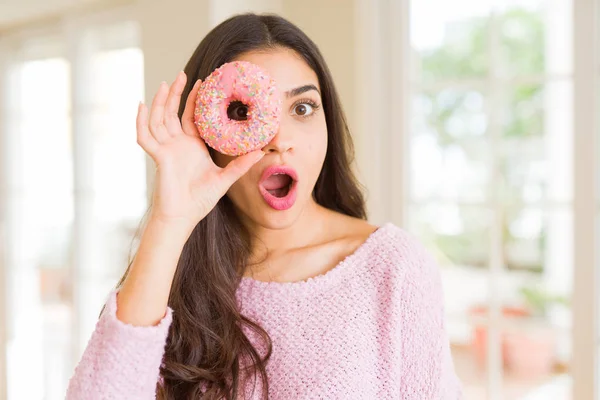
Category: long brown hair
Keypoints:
(206, 342)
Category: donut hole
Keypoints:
(237, 111)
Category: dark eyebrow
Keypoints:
(302, 89)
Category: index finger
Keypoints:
(187, 119)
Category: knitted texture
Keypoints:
(370, 328)
(121, 361)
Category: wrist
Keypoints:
(182, 225)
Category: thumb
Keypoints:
(238, 167)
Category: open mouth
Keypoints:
(278, 186)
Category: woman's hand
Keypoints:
(188, 184)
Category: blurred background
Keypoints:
(476, 128)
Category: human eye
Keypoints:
(304, 108)
(237, 111)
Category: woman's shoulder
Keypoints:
(388, 236)
(401, 249)
(386, 243)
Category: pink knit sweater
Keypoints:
(370, 328)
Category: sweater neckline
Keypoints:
(326, 279)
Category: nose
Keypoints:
(281, 143)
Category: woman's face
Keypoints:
(300, 144)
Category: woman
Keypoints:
(233, 295)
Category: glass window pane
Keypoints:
(120, 170)
(449, 145)
(451, 43)
(40, 217)
(536, 159)
(539, 253)
(458, 237)
(522, 36)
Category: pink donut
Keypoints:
(246, 83)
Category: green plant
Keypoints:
(538, 300)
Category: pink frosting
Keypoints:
(250, 84)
